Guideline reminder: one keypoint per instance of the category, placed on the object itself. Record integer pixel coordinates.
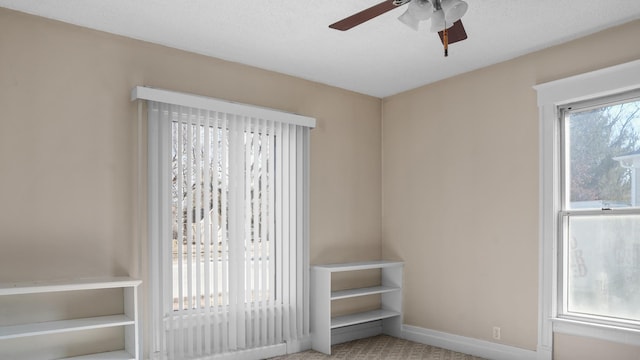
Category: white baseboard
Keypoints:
(545, 352)
(471, 346)
(299, 345)
(261, 352)
(355, 332)
(251, 354)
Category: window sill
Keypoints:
(598, 331)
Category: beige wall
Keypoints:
(460, 191)
(68, 148)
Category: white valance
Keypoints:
(207, 103)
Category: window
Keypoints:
(583, 283)
(201, 212)
(228, 233)
(600, 214)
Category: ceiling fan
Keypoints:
(445, 17)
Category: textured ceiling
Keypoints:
(381, 57)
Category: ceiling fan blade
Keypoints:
(364, 15)
(456, 33)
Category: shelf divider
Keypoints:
(365, 265)
(60, 326)
(33, 287)
(111, 355)
(362, 317)
(349, 293)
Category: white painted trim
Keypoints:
(207, 103)
(463, 344)
(299, 345)
(599, 83)
(544, 353)
(548, 208)
(603, 82)
(254, 354)
(603, 332)
(251, 354)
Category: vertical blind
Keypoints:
(229, 255)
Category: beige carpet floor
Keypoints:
(378, 348)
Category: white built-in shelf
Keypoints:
(362, 317)
(349, 293)
(364, 265)
(389, 314)
(111, 355)
(54, 327)
(127, 320)
(33, 287)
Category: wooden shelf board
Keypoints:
(111, 355)
(67, 285)
(362, 317)
(344, 294)
(53, 327)
(377, 264)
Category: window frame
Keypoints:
(566, 212)
(551, 96)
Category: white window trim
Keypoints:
(600, 83)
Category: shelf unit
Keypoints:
(128, 319)
(390, 291)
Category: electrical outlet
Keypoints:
(496, 333)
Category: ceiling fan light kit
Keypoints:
(454, 9)
(438, 22)
(416, 11)
(445, 17)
